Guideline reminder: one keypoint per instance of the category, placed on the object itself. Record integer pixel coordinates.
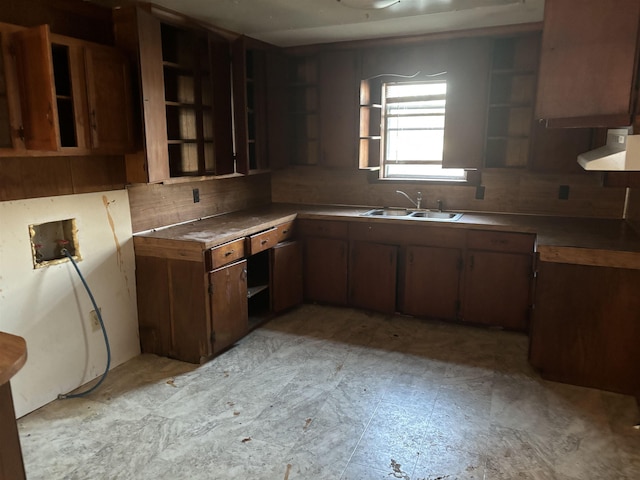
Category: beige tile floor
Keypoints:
(328, 393)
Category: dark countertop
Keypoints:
(607, 242)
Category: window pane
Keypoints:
(415, 89)
(420, 122)
(414, 145)
(414, 121)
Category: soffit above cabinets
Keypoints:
(304, 22)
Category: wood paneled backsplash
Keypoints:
(158, 205)
(508, 192)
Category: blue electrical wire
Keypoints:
(104, 332)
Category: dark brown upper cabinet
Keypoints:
(75, 96)
(588, 65)
(184, 74)
(250, 105)
(339, 81)
(467, 83)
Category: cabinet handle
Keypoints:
(230, 252)
(284, 232)
(264, 242)
(50, 115)
(243, 276)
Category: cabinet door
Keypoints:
(497, 289)
(586, 326)
(325, 270)
(229, 308)
(465, 117)
(372, 276)
(10, 121)
(138, 32)
(588, 62)
(109, 99)
(339, 95)
(37, 88)
(555, 150)
(431, 282)
(286, 275)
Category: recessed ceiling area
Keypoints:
(302, 22)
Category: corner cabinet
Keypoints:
(325, 260)
(588, 65)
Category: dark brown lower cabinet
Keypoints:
(586, 326)
(372, 276)
(431, 282)
(193, 309)
(286, 275)
(325, 270)
(229, 307)
(173, 308)
(497, 289)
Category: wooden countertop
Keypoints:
(13, 355)
(602, 242)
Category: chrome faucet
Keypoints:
(418, 198)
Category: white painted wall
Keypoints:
(49, 306)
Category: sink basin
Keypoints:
(447, 216)
(413, 214)
(388, 212)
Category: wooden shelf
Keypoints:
(253, 291)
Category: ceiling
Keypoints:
(304, 22)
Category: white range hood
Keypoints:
(621, 153)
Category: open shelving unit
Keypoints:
(188, 103)
(511, 101)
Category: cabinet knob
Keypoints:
(230, 252)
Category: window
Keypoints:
(413, 119)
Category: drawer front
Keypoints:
(501, 241)
(323, 228)
(262, 241)
(223, 254)
(285, 231)
(396, 234)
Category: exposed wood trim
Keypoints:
(590, 257)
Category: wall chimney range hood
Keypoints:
(621, 153)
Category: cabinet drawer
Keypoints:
(262, 241)
(285, 231)
(323, 228)
(223, 254)
(501, 241)
(421, 234)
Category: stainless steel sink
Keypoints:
(388, 212)
(413, 214)
(429, 215)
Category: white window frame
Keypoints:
(430, 103)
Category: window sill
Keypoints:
(473, 180)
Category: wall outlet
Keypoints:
(95, 323)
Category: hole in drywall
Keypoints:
(49, 239)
